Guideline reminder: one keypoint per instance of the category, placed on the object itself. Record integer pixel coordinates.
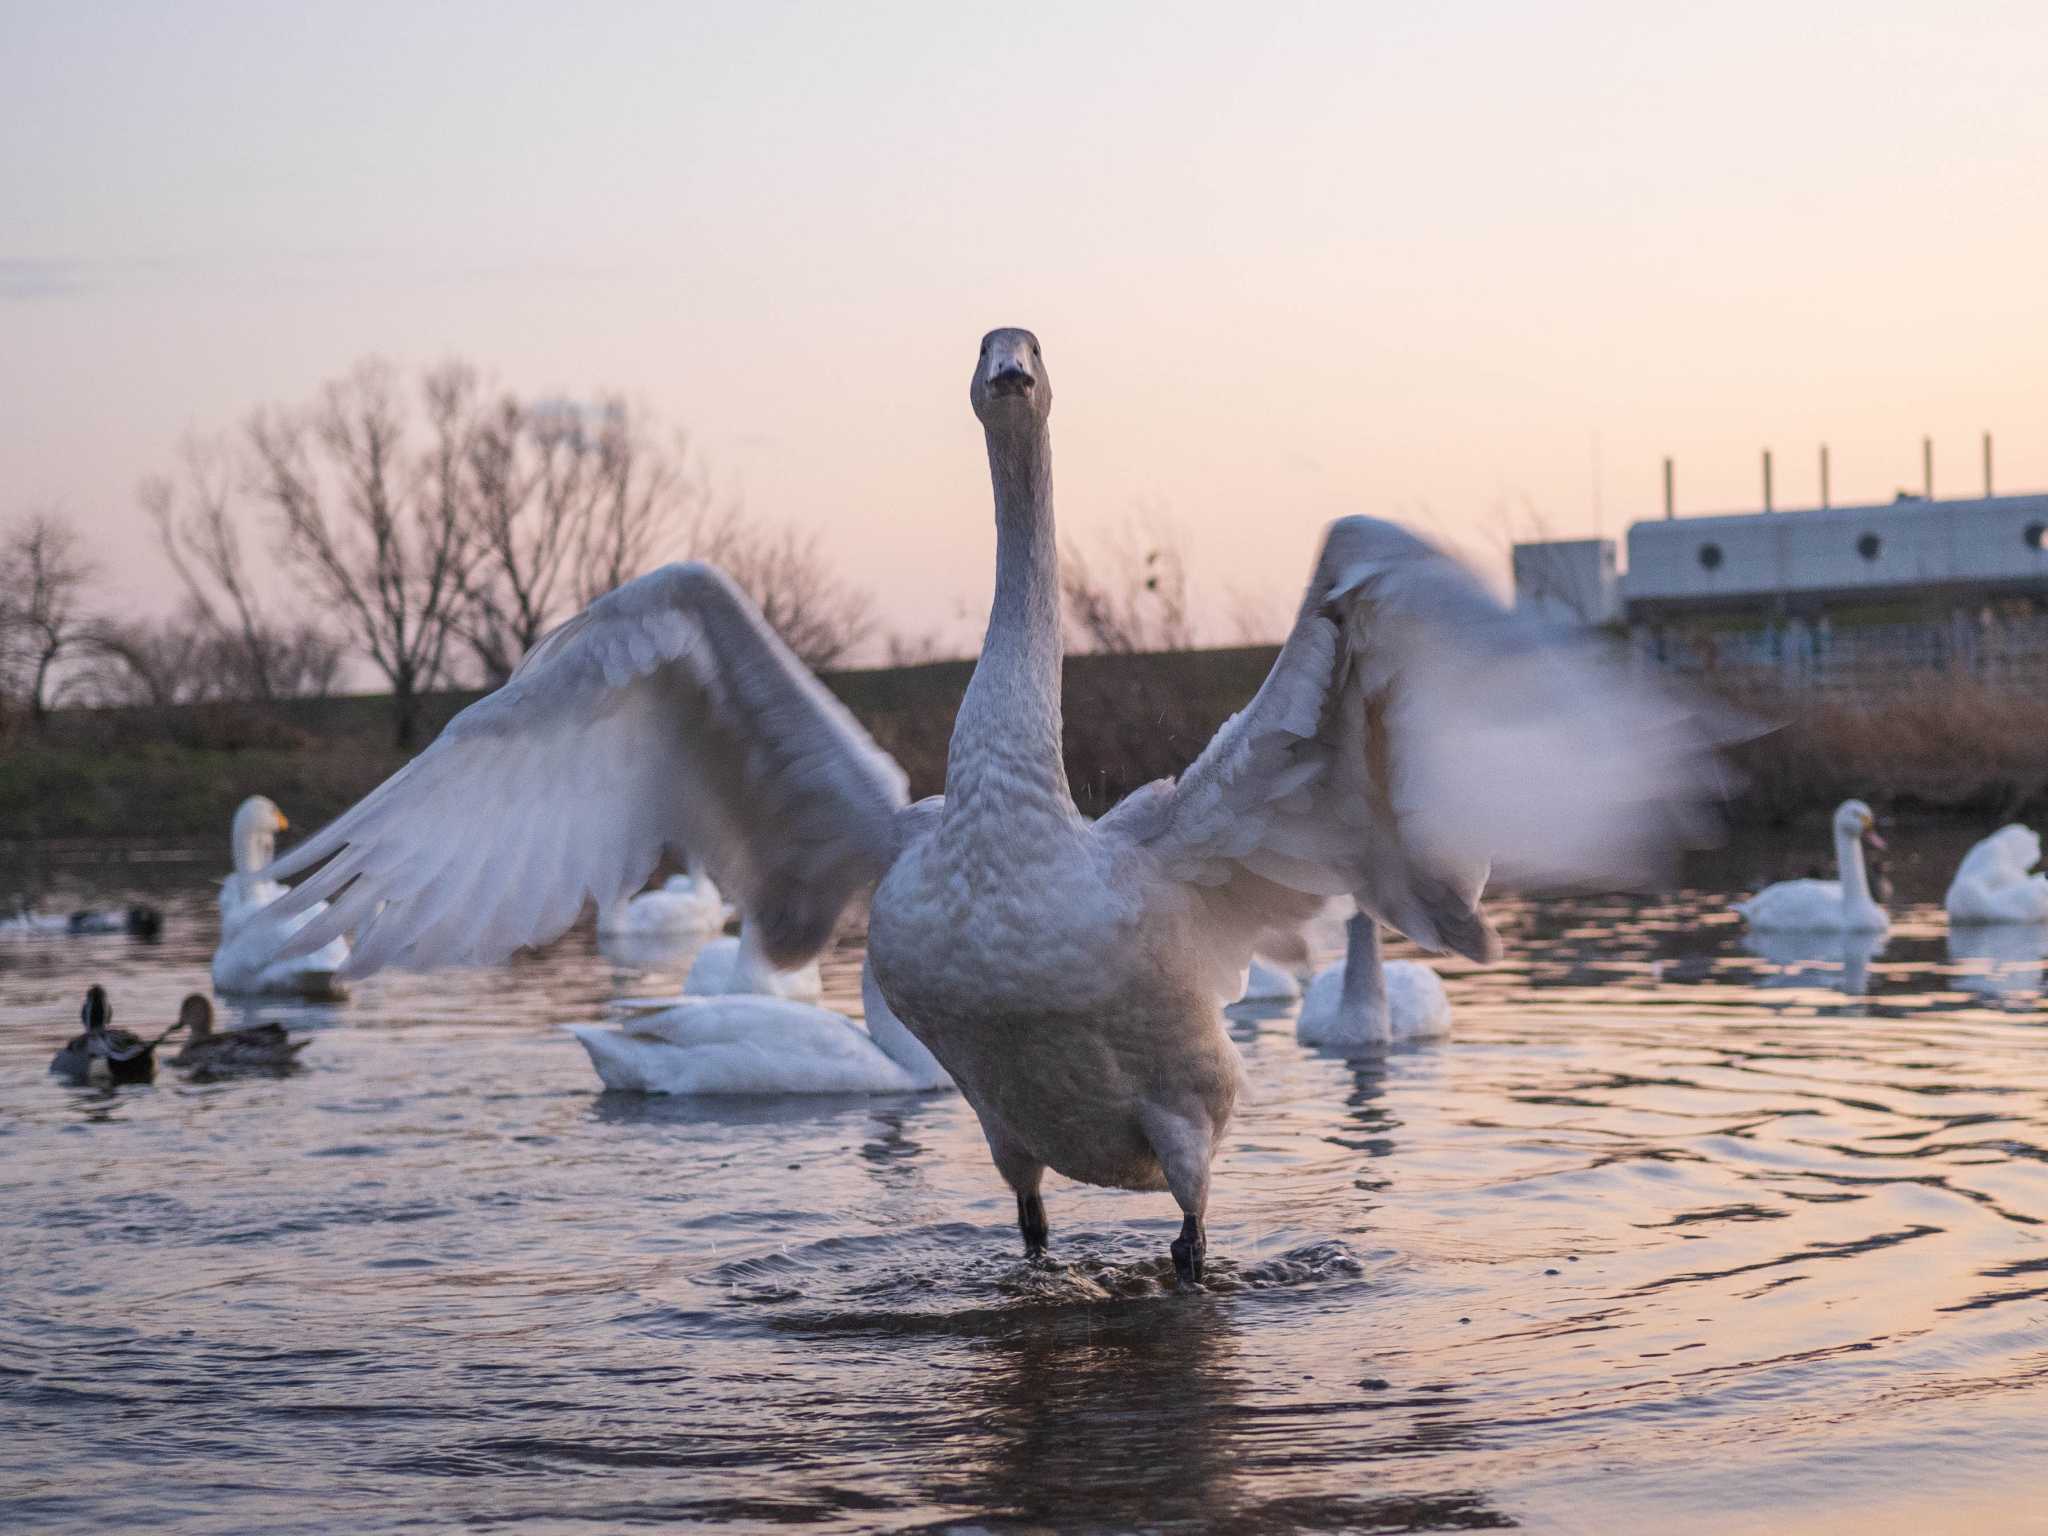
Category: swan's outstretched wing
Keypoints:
(1413, 739)
(665, 716)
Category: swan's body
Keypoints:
(735, 965)
(246, 963)
(1069, 976)
(749, 1044)
(1842, 905)
(1995, 882)
(1363, 1001)
(1266, 982)
(681, 905)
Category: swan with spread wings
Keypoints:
(1412, 740)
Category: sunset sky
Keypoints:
(1448, 263)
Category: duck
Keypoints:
(123, 1057)
(1413, 738)
(245, 964)
(137, 921)
(1996, 882)
(751, 1044)
(1841, 905)
(728, 965)
(684, 904)
(230, 1053)
(1362, 1001)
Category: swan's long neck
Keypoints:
(1006, 739)
(1365, 978)
(1856, 895)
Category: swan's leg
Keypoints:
(1184, 1145)
(1023, 1173)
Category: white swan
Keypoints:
(1069, 975)
(683, 904)
(1842, 905)
(246, 962)
(1362, 1001)
(729, 965)
(1994, 883)
(750, 1044)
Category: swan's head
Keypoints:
(257, 823)
(96, 1014)
(1853, 820)
(195, 1017)
(1010, 381)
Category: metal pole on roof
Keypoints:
(1987, 466)
(1767, 479)
(1668, 513)
(1927, 467)
(1824, 477)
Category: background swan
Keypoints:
(728, 965)
(1994, 883)
(750, 1044)
(1364, 1000)
(1826, 906)
(683, 904)
(1411, 738)
(246, 961)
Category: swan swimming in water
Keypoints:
(728, 965)
(746, 1043)
(1362, 1001)
(1412, 737)
(1841, 905)
(682, 905)
(246, 962)
(1995, 883)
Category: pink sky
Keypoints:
(1439, 266)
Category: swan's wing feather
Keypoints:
(1415, 739)
(666, 716)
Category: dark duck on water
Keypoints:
(125, 1057)
(233, 1052)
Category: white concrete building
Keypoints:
(1857, 598)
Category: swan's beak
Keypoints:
(283, 822)
(1009, 372)
(1870, 836)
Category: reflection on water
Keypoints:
(1838, 960)
(1680, 1231)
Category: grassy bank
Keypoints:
(177, 774)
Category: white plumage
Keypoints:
(1842, 905)
(681, 906)
(751, 1044)
(729, 965)
(246, 963)
(1995, 883)
(1069, 975)
(1363, 1001)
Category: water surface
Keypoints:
(1673, 1233)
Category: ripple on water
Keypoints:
(1725, 1235)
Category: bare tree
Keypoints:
(44, 577)
(563, 503)
(254, 655)
(371, 512)
(1132, 596)
(642, 493)
(819, 614)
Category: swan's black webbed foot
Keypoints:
(1031, 1222)
(1188, 1249)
